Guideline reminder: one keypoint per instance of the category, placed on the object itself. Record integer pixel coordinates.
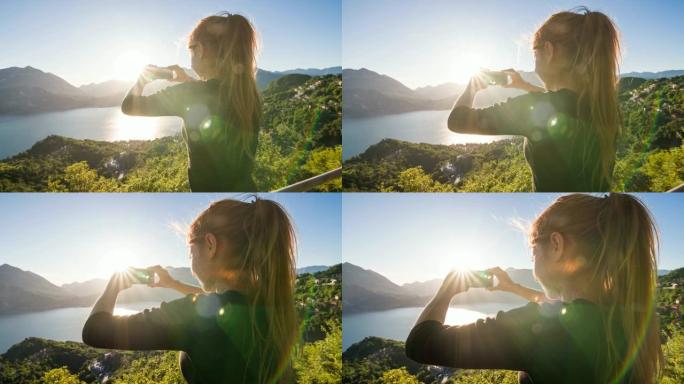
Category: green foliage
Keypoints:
(673, 372)
(416, 180)
(152, 368)
(300, 137)
(650, 155)
(60, 376)
(489, 376)
(398, 376)
(320, 362)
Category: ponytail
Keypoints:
(619, 239)
(232, 39)
(270, 259)
(591, 44)
(262, 247)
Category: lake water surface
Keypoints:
(64, 324)
(397, 323)
(19, 132)
(416, 127)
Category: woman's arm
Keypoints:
(507, 285)
(117, 283)
(437, 308)
(163, 103)
(463, 118)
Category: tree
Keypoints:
(60, 376)
(398, 376)
(320, 362)
(416, 180)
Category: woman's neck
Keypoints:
(224, 285)
(579, 291)
(562, 82)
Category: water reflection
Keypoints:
(124, 127)
(461, 316)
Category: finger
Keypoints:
(510, 70)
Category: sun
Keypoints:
(129, 64)
(116, 260)
(465, 65)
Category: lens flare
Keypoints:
(128, 65)
(465, 66)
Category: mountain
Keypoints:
(29, 77)
(30, 90)
(264, 77)
(312, 269)
(24, 291)
(366, 290)
(107, 88)
(368, 93)
(654, 75)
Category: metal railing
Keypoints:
(679, 188)
(312, 182)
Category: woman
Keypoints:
(596, 256)
(571, 125)
(240, 327)
(221, 112)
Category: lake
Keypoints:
(397, 323)
(416, 127)
(57, 324)
(19, 132)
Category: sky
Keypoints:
(427, 43)
(410, 237)
(95, 41)
(77, 237)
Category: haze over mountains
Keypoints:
(24, 291)
(367, 93)
(30, 90)
(364, 290)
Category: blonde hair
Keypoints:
(619, 240)
(233, 41)
(590, 44)
(262, 246)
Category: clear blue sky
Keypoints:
(76, 237)
(81, 40)
(416, 237)
(421, 43)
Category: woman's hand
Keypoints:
(179, 74)
(505, 282)
(518, 82)
(165, 279)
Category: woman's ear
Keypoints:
(212, 243)
(548, 52)
(557, 245)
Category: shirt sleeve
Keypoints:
(503, 342)
(170, 101)
(522, 116)
(163, 328)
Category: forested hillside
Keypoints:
(300, 137)
(650, 153)
(318, 358)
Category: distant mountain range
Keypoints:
(24, 291)
(30, 90)
(364, 290)
(368, 93)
